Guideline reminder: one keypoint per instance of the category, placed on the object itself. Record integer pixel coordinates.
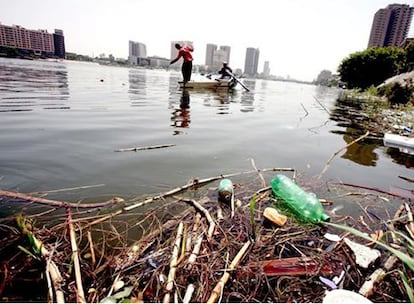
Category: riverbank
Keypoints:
(378, 117)
(205, 250)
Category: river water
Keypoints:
(61, 122)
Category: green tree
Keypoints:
(409, 49)
(372, 66)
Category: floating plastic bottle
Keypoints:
(305, 204)
(225, 190)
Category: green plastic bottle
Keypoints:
(305, 204)
(225, 190)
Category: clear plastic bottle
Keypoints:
(305, 204)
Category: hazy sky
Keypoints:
(298, 37)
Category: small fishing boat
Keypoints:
(210, 84)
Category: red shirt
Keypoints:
(185, 52)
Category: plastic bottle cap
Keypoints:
(325, 217)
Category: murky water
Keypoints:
(61, 122)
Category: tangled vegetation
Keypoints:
(186, 245)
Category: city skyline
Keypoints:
(298, 38)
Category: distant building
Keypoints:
(59, 44)
(33, 42)
(210, 50)
(266, 69)
(157, 62)
(251, 62)
(390, 25)
(137, 54)
(215, 57)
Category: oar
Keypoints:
(232, 75)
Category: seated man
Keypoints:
(225, 71)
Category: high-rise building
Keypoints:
(174, 51)
(390, 25)
(32, 42)
(210, 50)
(251, 62)
(137, 53)
(59, 43)
(266, 69)
(215, 57)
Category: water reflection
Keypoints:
(349, 114)
(247, 97)
(219, 99)
(181, 116)
(26, 85)
(360, 153)
(401, 158)
(137, 86)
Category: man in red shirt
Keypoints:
(187, 67)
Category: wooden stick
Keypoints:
(89, 235)
(337, 152)
(67, 189)
(410, 225)
(196, 250)
(144, 148)
(220, 285)
(367, 288)
(173, 263)
(220, 215)
(57, 280)
(206, 214)
(258, 172)
(188, 294)
(39, 200)
(80, 296)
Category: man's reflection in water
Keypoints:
(181, 118)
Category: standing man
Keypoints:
(187, 67)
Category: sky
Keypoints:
(299, 38)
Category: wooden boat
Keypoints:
(210, 84)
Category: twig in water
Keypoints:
(337, 152)
(411, 180)
(307, 113)
(144, 148)
(327, 111)
(55, 203)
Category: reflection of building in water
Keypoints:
(32, 84)
(137, 85)
(181, 116)
(247, 98)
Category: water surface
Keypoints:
(61, 122)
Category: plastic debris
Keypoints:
(339, 296)
(403, 143)
(332, 237)
(328, 282)
(363, 254)
(274, 216)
